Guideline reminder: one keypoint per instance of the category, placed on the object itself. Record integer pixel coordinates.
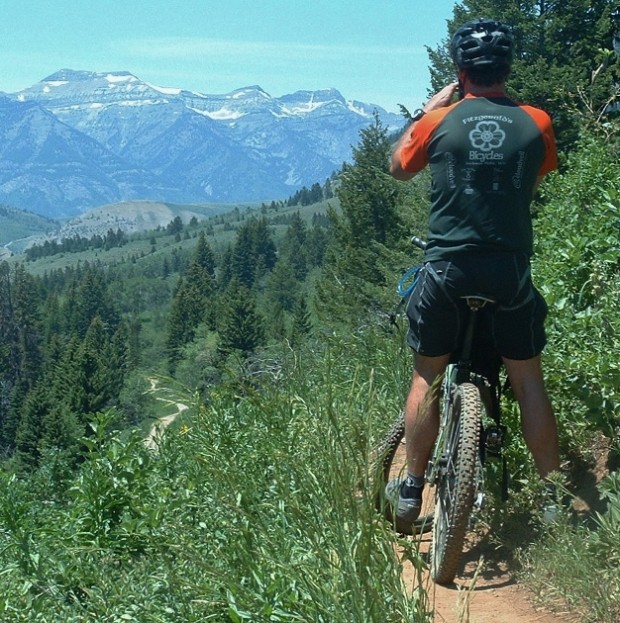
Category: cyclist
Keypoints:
(487, 154)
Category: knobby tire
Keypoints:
(456, 485)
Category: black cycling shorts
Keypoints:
(437, 312)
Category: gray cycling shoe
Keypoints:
(405, 510)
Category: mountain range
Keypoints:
(79, 139)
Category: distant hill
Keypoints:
(136, 216)
(219, 221)
(20, 224)
(130, 217)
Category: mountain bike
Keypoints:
(470, 432)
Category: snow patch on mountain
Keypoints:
(80, 139)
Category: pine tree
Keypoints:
(564, 61)
(93, 386)
(316, 243)
(241, 327)
(30, 428)
(203, 255)
(293, 247)
(26, 304)
(225, 273)
(90, 299)
(282, 286)
(368, 194)
(243, 257)
(194, 302)
(262, 243)
(302, 323)
(357, 263)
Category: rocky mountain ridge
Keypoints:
(80, 139)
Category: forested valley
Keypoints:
(277, 327)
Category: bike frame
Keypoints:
(475, 362)
(463, 370)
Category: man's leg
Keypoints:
(538, 421)
(421, 427)
(422, 411)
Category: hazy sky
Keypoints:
(370, 50)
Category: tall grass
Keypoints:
(575, 567)
(258, 509)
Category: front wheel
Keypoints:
(459, 459)
(392, 459)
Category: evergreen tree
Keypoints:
(94, 387)
(190, 307)
(90, 299)
(175, 226)
(293, 246)
(241, 327)
(358, 261)
(225, 272)
(253, 247)
(316, 243)
(30, 428)
(564, 60)
(134, 344)
(194, 302)
(116, 359)
(203, 255)
(62, 430)
(276, 323)
(302, 323)
(26, 304)
(282, 286)
(243, 258)
(165, 269)
(262, 243)
(12, 415)
(368, 193)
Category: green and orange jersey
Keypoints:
(485, 156)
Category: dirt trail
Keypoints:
(161, 424)
(495, 596)
(484, 590)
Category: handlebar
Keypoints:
(421, 244)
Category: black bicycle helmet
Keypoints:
(482, 43)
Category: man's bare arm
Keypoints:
(439, 100)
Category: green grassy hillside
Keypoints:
(146, 223)
(19, 224)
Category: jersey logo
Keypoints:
(487, 135)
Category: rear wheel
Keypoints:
(393, 464)
(456, 484)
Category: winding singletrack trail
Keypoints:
(484, 591)
(162, 423)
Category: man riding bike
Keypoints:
(487, 154)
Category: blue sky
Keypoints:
(370, 50)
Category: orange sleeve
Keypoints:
(414, 152)
(543, 121)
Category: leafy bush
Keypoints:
(577, 267)
(259, 509)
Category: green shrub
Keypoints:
(260, 508)
(577, 268)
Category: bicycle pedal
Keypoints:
(479, 501)
(494, 440)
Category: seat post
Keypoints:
(475, 303)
